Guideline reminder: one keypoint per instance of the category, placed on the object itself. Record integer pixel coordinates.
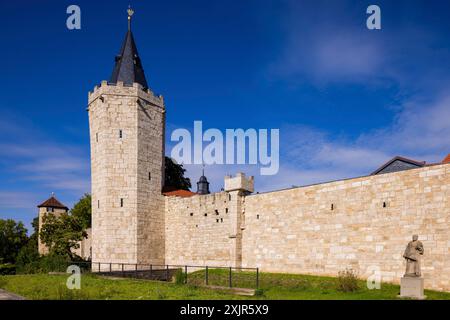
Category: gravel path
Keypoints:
(5, 295)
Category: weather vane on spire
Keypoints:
(130, 14)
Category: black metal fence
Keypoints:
(232, 277)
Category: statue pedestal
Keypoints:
(412, 287)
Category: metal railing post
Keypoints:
(110, 267)
(122, 270)
(167, 272)
(151, 271)
(185, 272)
(135, 270)
(99, 267)
(230, 280)
(257, 278)
(206, 275)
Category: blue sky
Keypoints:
(345, 99)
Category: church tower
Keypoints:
(126, 123)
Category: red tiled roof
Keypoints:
(179, 193)
(52, 202)
(447, 159)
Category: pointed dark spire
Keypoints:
(128, 67)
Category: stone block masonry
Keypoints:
(198, 230)
(361, 223)
(126, 126)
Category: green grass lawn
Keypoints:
(274, 286)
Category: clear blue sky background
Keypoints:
(345, 99)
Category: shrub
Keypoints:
(259, 292)
(2, 282)
(44, 264)
(27, 255)
(7, 268)
(347, 281)
(180, 277)
(302, 284)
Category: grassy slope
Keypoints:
(275, 286)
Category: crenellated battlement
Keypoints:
(120, 89)
(239, 183)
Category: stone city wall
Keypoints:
(363, 224)
(198, 230)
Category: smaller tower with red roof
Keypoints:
(49, 206)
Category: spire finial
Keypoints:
(130, 14)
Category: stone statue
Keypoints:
(412, 254)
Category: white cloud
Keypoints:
(421, 131)
(17, 200)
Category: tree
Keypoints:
(13, 235)
(29, 252)
(62, 233)
(174, 175)
(83, 211)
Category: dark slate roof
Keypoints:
(203, 184)
(52, 202)
(128, 67)
(399, 164)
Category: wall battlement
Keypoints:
(239, 183)
(120, 89)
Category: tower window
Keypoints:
(257, 216)
(384, 204)
(96, 137)
(121, 202)
(332, 206)
(120, 134)
(50, 209)
(149, 176)
(191, 214)
(98, 203)
(205, 214)
(226, 210)
(217, 212)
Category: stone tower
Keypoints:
(49, 206)
(203, 184)
(237, 187)
(126, 123)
